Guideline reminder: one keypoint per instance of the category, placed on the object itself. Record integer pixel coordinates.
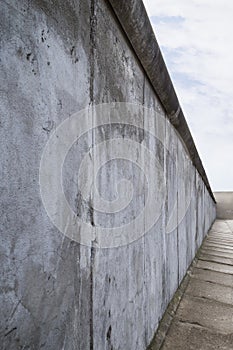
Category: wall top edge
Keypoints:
(136, 24)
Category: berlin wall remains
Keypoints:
(92, 267)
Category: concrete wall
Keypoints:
(57, 58)
(224, 205)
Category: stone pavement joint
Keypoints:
(200, 315)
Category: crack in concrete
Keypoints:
(13, 329)
(192, 323)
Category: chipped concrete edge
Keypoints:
(166, 321)
(135, 22)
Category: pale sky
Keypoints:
(196, 39)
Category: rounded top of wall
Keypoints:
(134, 20)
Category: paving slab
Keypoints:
(218, 249)
(217, 245)
(216, 240)
(218, 237)
(218, 252)
(225, 234)
(218, 259)
(184, 336)
(213, 276)
(220, 234)
(206, 313)
(220, 241)
(210, 290)
(215, 267)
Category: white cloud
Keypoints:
(196, 40)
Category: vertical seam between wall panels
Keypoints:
(92, 68)
(177, 198)
(91, 299)
(144, 239)
(92, 49)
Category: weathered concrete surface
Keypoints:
(204, 317)
(57, 58)
(224, 205)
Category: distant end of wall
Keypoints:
(224, 205)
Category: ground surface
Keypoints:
(203, 319)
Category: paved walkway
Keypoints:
(202, 318)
